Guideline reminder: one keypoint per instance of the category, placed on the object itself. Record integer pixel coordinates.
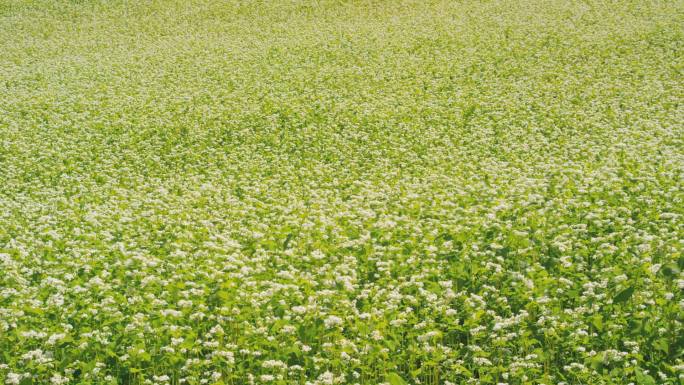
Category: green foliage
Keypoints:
(624, 295)
(395, 379)
(331, 192)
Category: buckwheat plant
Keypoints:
(335, 192)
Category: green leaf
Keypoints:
(670, 270)
(624, 295)
(394, 379)
(643, 378)
(662, 345)
(597, 321)
(596, 361)
(223, 295)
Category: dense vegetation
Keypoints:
(341, 192)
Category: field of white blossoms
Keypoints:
(341, 192)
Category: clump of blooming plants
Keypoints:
(212, 193)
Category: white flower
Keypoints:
(326, 378)
(332, 321)
(13, 378)
(57, 379)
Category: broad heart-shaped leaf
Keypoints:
(662, 345)
(670, 270)
(395, 379)
(597, 321)
(643, 378)
(624, 295)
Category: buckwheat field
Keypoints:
(341, 192)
